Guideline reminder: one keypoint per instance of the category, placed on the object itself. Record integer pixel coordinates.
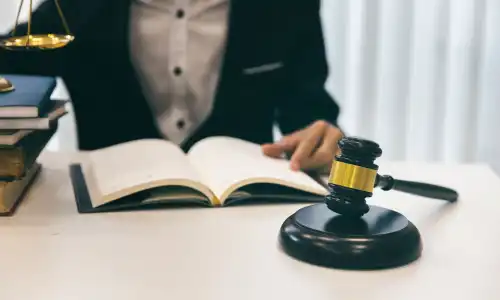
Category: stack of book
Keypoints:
(28, 120)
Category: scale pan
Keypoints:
(5, 85)
(36, 42)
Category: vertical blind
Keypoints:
(420, 77)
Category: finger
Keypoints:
(291, 141)
(324, 154)
(272, 150)
(311, 138)
(286, 144)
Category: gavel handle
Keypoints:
(386, 182)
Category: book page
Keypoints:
(127, 168)
(226, 163)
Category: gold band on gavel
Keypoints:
(352, 176)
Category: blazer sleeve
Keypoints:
(306, 99)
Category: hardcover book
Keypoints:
(216, 171)
(11, 137)
(30, 97)
(56, 110)
(16, 160)
(13, 192)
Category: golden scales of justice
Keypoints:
(34, 42)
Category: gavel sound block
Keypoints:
(345, 232)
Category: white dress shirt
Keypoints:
(177, 50)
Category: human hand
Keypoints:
(311, 148)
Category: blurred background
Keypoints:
(420, 77)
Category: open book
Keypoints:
(217, 171)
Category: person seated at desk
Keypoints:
(185, 70)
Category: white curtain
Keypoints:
(420, 77)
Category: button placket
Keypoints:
(178, 118)
(179, 45)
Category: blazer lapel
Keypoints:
(249, 38)
(239, 37)
(244, 42)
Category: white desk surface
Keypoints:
(50, 252)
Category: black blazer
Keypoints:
(110, 107)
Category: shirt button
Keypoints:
(181, 124)
(177, 71)
(180, 13)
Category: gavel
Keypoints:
(354, 175)
(344, 231)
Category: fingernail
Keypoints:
(295, 166)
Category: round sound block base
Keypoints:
(381, 239)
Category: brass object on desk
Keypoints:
(30, 42)
(44, 41)
(37, 42)
(5, 85)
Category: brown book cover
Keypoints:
(12, 192)
(17, 159)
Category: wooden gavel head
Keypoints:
(353, 177)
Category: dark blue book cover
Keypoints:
(30, 97)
